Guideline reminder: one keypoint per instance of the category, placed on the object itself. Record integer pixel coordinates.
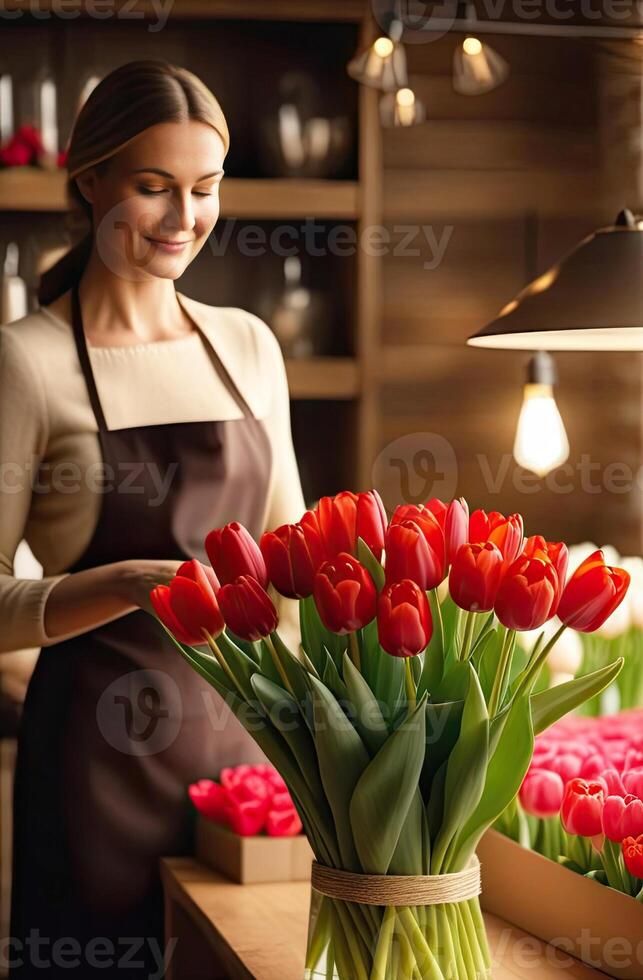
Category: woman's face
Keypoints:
(157, 200)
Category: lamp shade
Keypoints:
(592, 299)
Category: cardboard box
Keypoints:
(250, 860)
(592, 922)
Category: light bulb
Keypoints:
(541, 441)
(472, 46)
(477, 68)
(383, 47)
(401, 108)
(383, 63)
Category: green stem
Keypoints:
(278, 664)
(410, 684)
(212, 643)
(610, 857)
(426, 961)
(533, 667)
(354, 645)
(468, 633)
(438, 616)
(501, 673)
(383, 948)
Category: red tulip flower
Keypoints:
(582, 808)
(633, 855)
(345, 594)
(283, 823)
(188, 605)
(210, 799)
(505, 532)
(456, 527)
(293, 555)
(622, 817)
(233, 552)
(527, 594)
(404, 624)
(475, 576)
(541, 793)
(415, 550)
(592, 594)
(347, 516)
(633, 782)
(555, 551)
(247, 608)
(614, 783)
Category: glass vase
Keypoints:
(351, 941)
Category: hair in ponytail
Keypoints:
(126, 102)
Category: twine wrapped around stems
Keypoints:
(398, 890)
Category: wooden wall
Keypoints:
(515, 178)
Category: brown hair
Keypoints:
(126, 102)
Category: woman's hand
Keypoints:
(135, 579)
(85, 600)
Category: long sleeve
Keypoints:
(23, 442)
(286, 503)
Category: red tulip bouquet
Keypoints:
(581, 802)
(405, 724)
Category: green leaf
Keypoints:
(241, 665)
(371, 564)
(382, 797)
(408, 856)
(284, 714)
(207, 666)
(443, 723)
(383, 673)
(267, 666)
(504, 776)
(249, 647)
(342, 760)
(366, 713)
(315, 636)
(455, 682)
(295, 671)
(487, 660)
(332, 679)
(466, 769)
(548, 706)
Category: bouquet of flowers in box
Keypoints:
(404, 726)
(249, 799)
(581, 802)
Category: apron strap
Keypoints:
(224, 374)
(83, 357)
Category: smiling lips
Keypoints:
(169, 246)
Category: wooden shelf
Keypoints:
(289, 198)
(332, 378)
(31, 189)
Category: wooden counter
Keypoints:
(243, 932)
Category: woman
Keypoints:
(132, 421)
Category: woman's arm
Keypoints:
(39, 612)
(87, 599)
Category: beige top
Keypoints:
(49, 450)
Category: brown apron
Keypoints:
(115, 723)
